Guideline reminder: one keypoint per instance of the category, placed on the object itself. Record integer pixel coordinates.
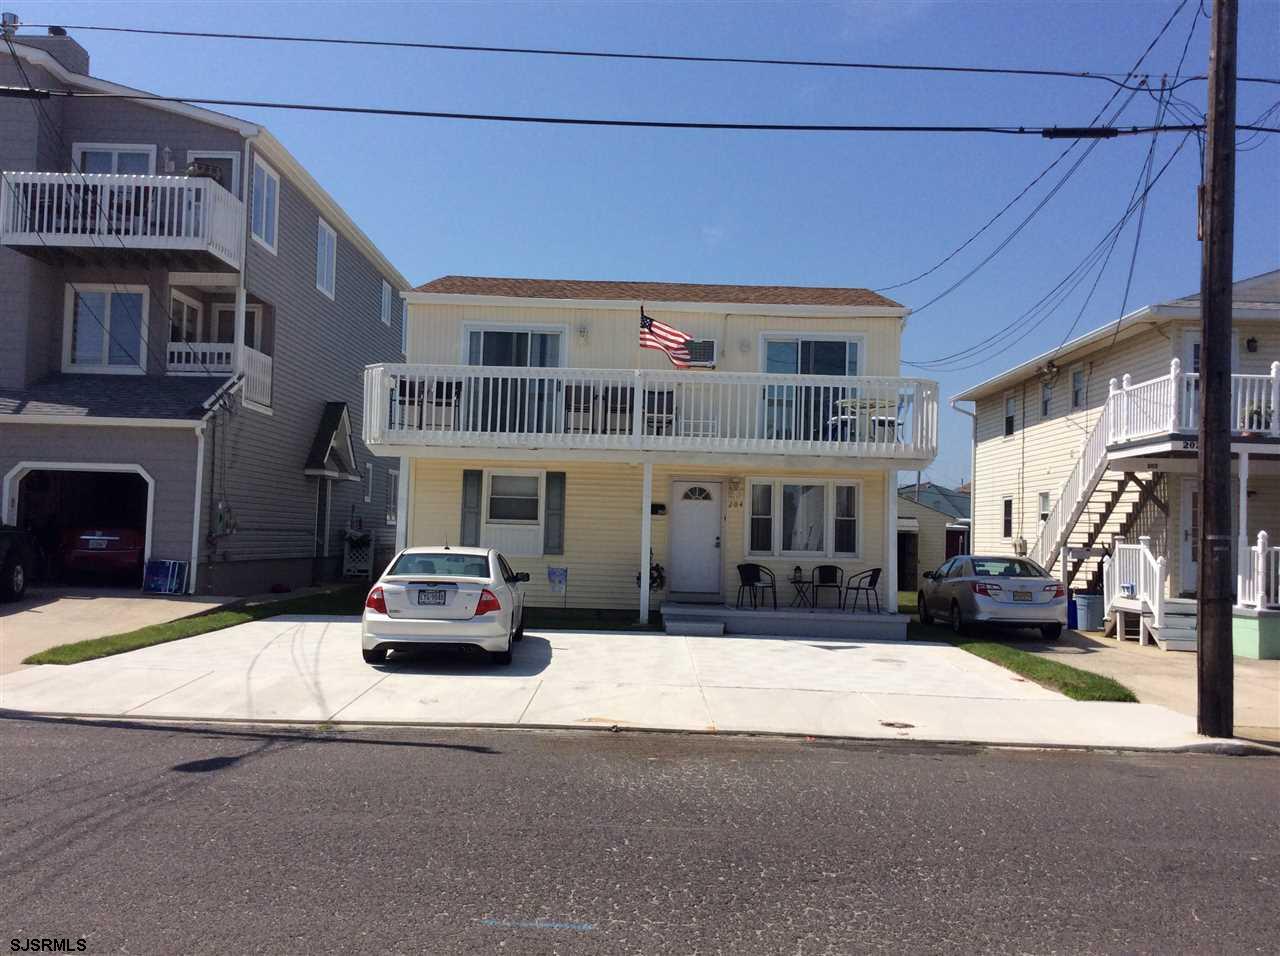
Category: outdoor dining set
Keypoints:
(756, 583)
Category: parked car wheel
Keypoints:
(958, 626)
(14, 577)
(1051, 632)
(519, 634)
(501, 658)
(925, 616)
(375, 657)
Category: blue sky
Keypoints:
(868, 210)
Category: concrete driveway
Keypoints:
(47, 617)
(309, 669)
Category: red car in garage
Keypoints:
(114, 552)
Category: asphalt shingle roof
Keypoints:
(112, 396)
(656, 291)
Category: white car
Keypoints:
(444, 595)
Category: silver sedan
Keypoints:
(997, 591)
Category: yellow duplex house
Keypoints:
(1085, 459)
(529, 418)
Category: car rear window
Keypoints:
(444, 563)
(1005, 568)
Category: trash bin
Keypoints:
(1089, 612)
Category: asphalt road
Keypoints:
(160, 839)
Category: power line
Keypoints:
(617, 55)
(1043, 131)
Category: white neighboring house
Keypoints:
(1092, 449)
(529, 419)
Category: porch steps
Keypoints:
(1178, 632)
(688, 627)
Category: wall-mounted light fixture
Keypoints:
(584, 331)
(1251, 344)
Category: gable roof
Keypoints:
(949, 501)
(332, 454)
(74, 396)
(1257, 297)
(587, 289)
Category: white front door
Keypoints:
(1190, 535)
(695, 537)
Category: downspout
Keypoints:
(195, 510)
(973, 461)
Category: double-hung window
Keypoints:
(1010, 415)
(513, 499)
(817, 518)
(326, 258)
(1044, 506)
(105, 329)
(1046, 398)
(1077, 388)
(387, 299)
(1006, 518)
(265, 208)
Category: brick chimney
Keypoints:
(61, 47)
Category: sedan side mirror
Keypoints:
(521, 576)
(928, 575)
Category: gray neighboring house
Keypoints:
(185, 314)
(933, 525)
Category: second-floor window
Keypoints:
(1077, 389)
(265, 211)
(1044, 506)
(513, 348)
(1010, 415)
(120, 158)
(326, 257)
(105, 329)
(1046, 398)
(388, 297)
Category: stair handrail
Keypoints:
(1148, 570)
(1076, 489)
(1262, 583)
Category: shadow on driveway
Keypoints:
(531, 657)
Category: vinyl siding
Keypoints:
(436, 335)
(167, 454)
(602, 527)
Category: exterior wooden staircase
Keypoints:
(1133, 586)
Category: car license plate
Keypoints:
(1022, 595)
(431, 597)
(97, 544)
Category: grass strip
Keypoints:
(345, 600)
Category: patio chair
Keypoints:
(659, 412)
(579, 409)
(827, 577)
(617, 404)
(756, 580)
(864, 583)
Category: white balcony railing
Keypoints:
(1259, 583)
(1135, 572)
(749, 413)
(113, 211)
(1170, 404)
(200, 358)
(257, 376)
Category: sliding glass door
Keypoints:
(512, 404)
(806, 412)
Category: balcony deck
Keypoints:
(186, 220)
(628, 414)
(219, 358)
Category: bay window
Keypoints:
(105, 329)
(803, 518)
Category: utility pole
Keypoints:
(1215, 690)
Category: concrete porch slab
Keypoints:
(787, 622)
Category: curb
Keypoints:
(1226, 748)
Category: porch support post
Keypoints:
(240, 314)
(891, 540)
(404, 501)
(1242, 531)
(646, 528)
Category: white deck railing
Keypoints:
(1074, 494)
(200, 358)
(1260, 575)
(257, 376)
(478, 406)
(114, 211)
(1170, 405)
(1134, 572)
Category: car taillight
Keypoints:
(1057, 589)
(488, 602)
(982, 587)
(376, 601)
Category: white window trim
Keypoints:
(368, 482)
(489, 475)
(1046, 411)
(217, 308)
(498, 326)
(1071, 388)
(193, 303)
(1009, 536)
(393, 482)
(78, 149)
(269, 171)
(1004, 413)
(236, 187)
(323, 228)
(404, 327)
(384, 308)
(829, 508)
(68, 318)
(783, 336)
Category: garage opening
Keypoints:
(91, 525)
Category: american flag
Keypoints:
(660, 336)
